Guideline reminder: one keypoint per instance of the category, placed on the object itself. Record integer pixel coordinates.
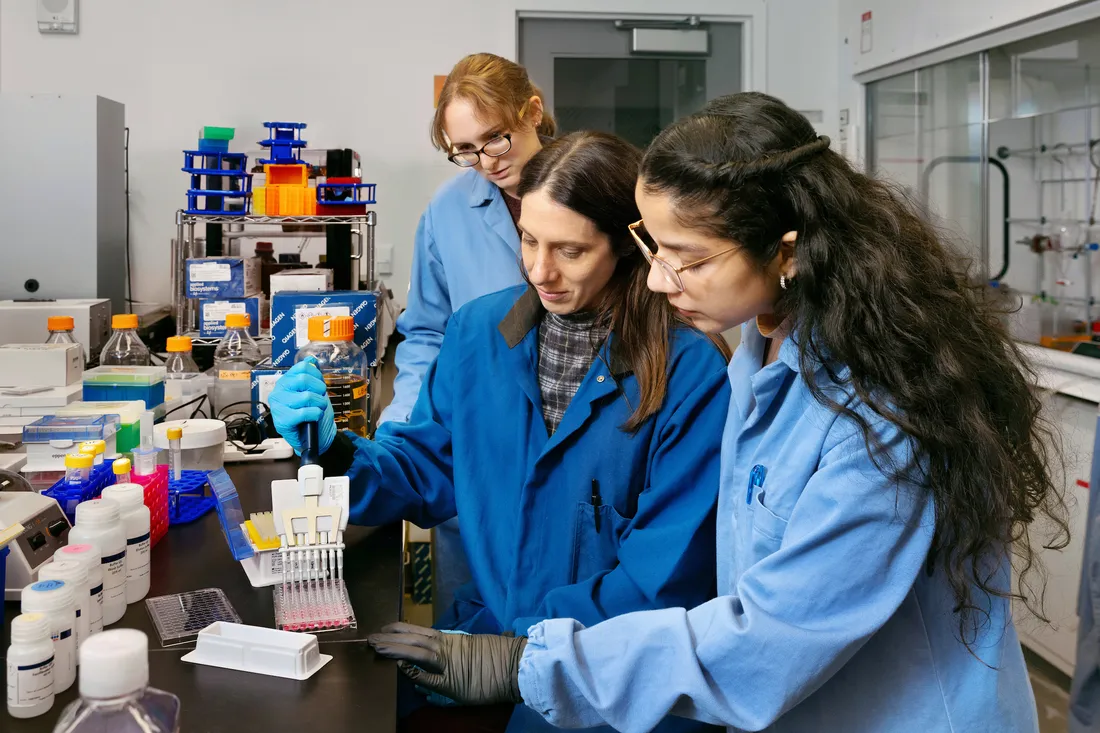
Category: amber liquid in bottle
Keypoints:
(348, 393)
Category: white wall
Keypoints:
(342, 66)
(904, 28)
(803, 57)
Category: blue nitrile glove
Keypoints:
(300, 397)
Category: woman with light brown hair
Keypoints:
(489, 121)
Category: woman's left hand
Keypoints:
(471, 669)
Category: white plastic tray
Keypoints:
(253, 649)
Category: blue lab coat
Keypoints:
(466, 247)
(476, 445)
(827, 620)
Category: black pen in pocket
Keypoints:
(596, 503)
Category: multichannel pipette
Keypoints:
(310, 515)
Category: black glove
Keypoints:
(477, 669)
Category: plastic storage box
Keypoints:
(48, 439)
(125, 384)
(129, 413)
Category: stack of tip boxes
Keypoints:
(129, 414)
(224, 285)
(36, 380)
(290, 314)
(48, 439)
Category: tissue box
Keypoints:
(222, 277)
(291, 311)
(41, 365)
(212, 315)
(263, 381)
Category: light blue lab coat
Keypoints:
(466, 247)
(476, 445)
(827, 620)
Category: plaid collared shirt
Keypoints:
(567, 348)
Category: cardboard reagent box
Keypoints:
(291, 311)
(301, 281)
(264, 378)
(212, 315)
(41, 365)
(222, 277)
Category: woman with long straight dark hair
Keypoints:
(554, 422)
(882, 460)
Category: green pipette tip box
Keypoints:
(218, 133)
(131, 375)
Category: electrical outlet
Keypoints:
(383, 259)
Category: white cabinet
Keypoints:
(1075, 419)
(1070, 388)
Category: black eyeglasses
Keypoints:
(495, 148)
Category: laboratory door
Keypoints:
(629, 77)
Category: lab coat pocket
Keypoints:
(768, 528)
(596, 551)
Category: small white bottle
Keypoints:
(54, 599)
(114, 690)
(30, 663)
(75, 575)
(136, 522)
(88, 556)
(99, 522)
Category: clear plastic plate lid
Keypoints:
(180, 617)
(76, 427)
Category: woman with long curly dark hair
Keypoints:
(882, 460)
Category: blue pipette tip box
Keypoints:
(230, 514)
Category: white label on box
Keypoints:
(210, 272)
(215, 312)
(302, 316)
(265, 385)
